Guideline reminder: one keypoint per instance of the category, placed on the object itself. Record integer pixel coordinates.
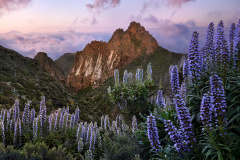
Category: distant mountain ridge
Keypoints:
(65, 62)
(47, 64)
(26, 79)
(98, 60)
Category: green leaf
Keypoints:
(219, 155)
(209, 152)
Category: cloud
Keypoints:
(178, 3)
(11, 5)
(155, 4)
(227, 16)
(151, 19)
(170, 35)
(191, 23)
(150, 3)
(94, 21)
(176, 36)
(98, 6)
(103, 4)
(214, 14)
(73, 26)
(137, 18)
(54, 44)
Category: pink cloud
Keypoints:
(151, 19)
(150, 3)
(172, 36)
(178, 3)
(53, 44)
(10, 5)
(155, 4)
(103, 4)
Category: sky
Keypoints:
(66, 26)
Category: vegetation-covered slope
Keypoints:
(160, 60)
(65, 62)
(22, 78)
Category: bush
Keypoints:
(38, 151)
(121, 147)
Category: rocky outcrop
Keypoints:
(47, 64)
(98, 60)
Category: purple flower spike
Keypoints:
(153, 133)
(194, 58)
(184, 117)
(176, 136)
(185, 69)
(218, 100)
(206, 111)
(175, 80)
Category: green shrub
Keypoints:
(121, 147)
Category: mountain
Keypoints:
(91, 74)
(65, 62)
(47, 64)
(99, 59)
(161, 59)
(23, 78)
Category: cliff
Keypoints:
(98, 60)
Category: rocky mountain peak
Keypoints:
(41, 55)
(99, 59)
(47, 64)
(135, 27)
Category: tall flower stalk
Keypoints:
(2, 132)
(184, 118)
(153, 133)
(193, 58)
(134, 124)
(218, 101)
(175, 80)
(176, 136)
(206, 111)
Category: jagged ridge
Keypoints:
(98, 59)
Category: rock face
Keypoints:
(98, 60)
(47, 64)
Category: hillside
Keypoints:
(160, 60)
(21, 77)
(28, 79)
(65, 62)
(48, 65)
